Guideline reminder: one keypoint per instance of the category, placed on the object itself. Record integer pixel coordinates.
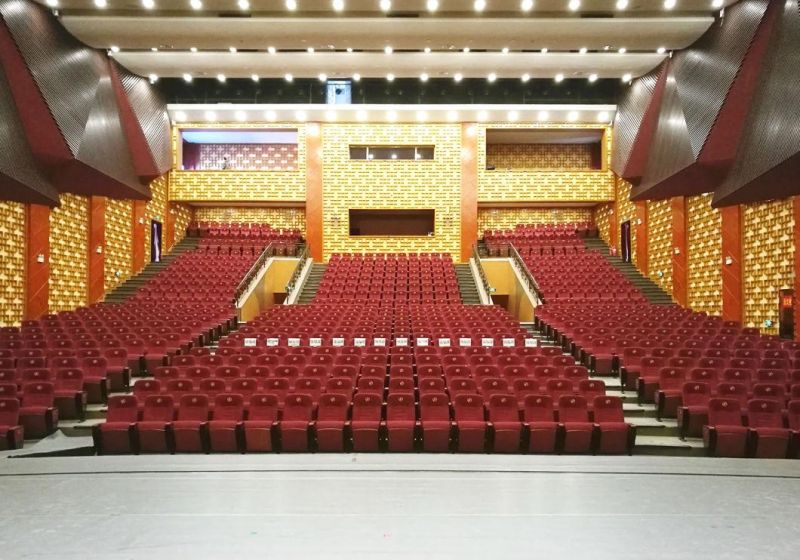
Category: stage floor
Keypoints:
(392, 506)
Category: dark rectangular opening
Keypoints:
(392, 222)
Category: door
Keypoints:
(155, 241)
(625, 241)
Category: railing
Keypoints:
(298, 270)
(255, 270)
(482, 273)
(526, 274)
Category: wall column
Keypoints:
(732, 293)
(469, 189)
(613, 219)
(680, 270)
(796, 211)
(314, 209)
(37, 274)
(641, 237)
(139, 225)
(97, 241)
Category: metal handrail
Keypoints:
(487, 288)
(298, 270)
(526, 273)
(261, 261)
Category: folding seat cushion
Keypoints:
(435, 421)
(38, 414)
(573, 415)
(769, 439)
(540, 419)
(725, 436)
(400, 422)
(226, 425)
(693, 412)
(70, 398)
(153, 432)
(470, 422)
(614, 435)
(366, 422)
(115, 435)
(331, 422)
(189, 430)
(11, 431)
(294, 427)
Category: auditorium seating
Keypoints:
(230, 238)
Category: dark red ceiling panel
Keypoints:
(697, 131)
(635, 123)
(767, 163)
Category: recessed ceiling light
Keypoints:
(491, 77)
(559, 78)
(361, 115)
(622, 50)
(390, 77)
(221, 78)
(391, 115)
(432, 5)
(244, 4)
(153, 49)
(543, 115)
(232, 49)
(427, 50)
(626, 78)
(545, 50)
(572, 116)
(513, 116)
(300, 115)
(148, 4)
(310, 50)
(452, 115)
(602, 116)
(114, 48)
(574, 5)
(180, 116)
(479, 5)
(187, 78)
(349, 49)
(196, 4)
(291, 5)
(422, 115)
(270, 115)
(210, 115)
(338, 5)
(622, 4)
(661, 50)
(670, 4)
(465, 49)
(504, 50)
(423, 77)
(592, 78)
(101, 3)
(526, 5)
(330, 115)
(482, 115)
(583, 50)
(717, 3)
(288, 77)
(458, 76)
(272, 50)
(254, 77)
(153, 78)
(240, 116)
(356, 77)
(388, 49)
(385, 5)
(322, 77)
(52, 3)
(193, 49)
(525, 78)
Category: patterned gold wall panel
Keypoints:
(627, 212)
(249, 157)
(69, 246)
(12, 263)
(540, 156)
(507, 218)
(659, 243)
(240, 186)
(285, 218)
(602, 219)
(391, 184)
(554, 186)
(768, 260)
(183, 217)
(119, 242)
(704, 255)
(156, 209)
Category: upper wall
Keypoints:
(704, 231)
(12, 263)
(285, 218)
(69, 247)
(659, 243)
(507, 218)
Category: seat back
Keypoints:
(69, 380)
(298, 407)
(193, 408)
(158, 408)
(229, 406)
(9, 412)
(333, 407)
(608, 409)
(764, 413)
(263, 407)
(503, 408)
(468, 408)
(38, 393)
(539, 408)
(434, 407)
(724, 412)
(400, 407)
(122, 408)
(367, 407)
(573, 408)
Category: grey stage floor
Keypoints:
(389, 506)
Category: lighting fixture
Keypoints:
(310, 50)
(717, 3)
(427, 50)
(572, 116)
(330, 115)
(291, 5)
(622, 50)
(545, 50)
(322, 77)
(574, 5)
(288, 77)
(153, 49)
(526, 5)
(391, 115)
(422, 115)
(559, 78)
(361, 115)
(465, 50)
(187, 78)
(356, 77)
(626, 78)
(513, 116)
(232, 49)
(193, 49)
(592, 78)
(543, 115)
(482, 115)
(221, 78)
(180, 116)
(504, 50)
(388, 49)
(452, 115)
(148, 4)
(52, 3)
(271, 50)
(602, 116)
(423, 77)
(670, 4)
(432, 5)
(338, 5)
(101, 3)
(458, 77)
(491, 78)
(270, 115)
(300, 116)
(389, 77)
(196, 4)
(479, 5)
(583, 50)
(661, 50)
(153, 78)
(240, 116)
(386, 5)
(525, 78)
(349, 49)
(254, 77)
(244, 4)
(622, 4)
(210, 115)
(114, 49)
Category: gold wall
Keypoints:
(240, 186)
(507, 218)
(768, 260)
(554, 185)
(183, 217)
(156, 209)
(627, 212)
(119, 242)
(12, 263)
(659, 243)
(69, 246)
(704, 255)
(602, 219)
(540, 156)
(285, 218)
(387, 184)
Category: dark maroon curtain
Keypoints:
(191, 156)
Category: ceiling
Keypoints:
(352, 41)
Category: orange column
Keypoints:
(796, 207)
(680, 280)
(732, 293)
(169, 228)
(138, 250)
(641, 237)
(469, 190)
(314, 211)
(613, 219)
(37, 261)
(97, 249)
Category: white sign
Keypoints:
(444, 342)
(403, 341)
(294, 342)
(338, 341)
(316, 342)
(422, 342)
(531, 343)
(487, 342)
(464, 342)
(508, 342)
(250, 342)
(379, 342)
(360, 341)
(272, 342)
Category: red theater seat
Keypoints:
(262, 418)
(115, 435)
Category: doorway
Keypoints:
(155, 241)
(625, 241)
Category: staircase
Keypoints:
(483, 252)
(125, 290)
(652, 291)
(312, 283)
(466, 285)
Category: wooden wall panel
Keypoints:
(314, 191)
(679, 252)
(732, 294)
(469, 189)
(640, 226)
(141, 231)
(37, 277)
(659, 243)
(97, 240)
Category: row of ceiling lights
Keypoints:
(388, 49)
(386, 5)
(392, 115)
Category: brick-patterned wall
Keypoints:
(553, 185)
(704, 255)
(387, 184)
(507, 218)
(240, 186)
(69, 245)
(768, 260)
(627, 212)
(12, 263)
(249, 157)
(659, 243)
(286, 218)
(183, 217)
(602, 219)
(119, 240)
(540, 156)
(156, 209)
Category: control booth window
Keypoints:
(404, 153)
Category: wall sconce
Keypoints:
(40, 258)
(677, 250)
(99, 250)
(768, 323)
(141, 221)
(638, 221)
(118, 274)
(660, 274)
(728, 260)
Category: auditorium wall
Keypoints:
(704, 241)
(507, 218)
(284, 218)
(69, 249)
(119, 240)
(12, 263)
(659, 243)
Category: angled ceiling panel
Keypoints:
(701, 80)
(74, 82)
(767, 163)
